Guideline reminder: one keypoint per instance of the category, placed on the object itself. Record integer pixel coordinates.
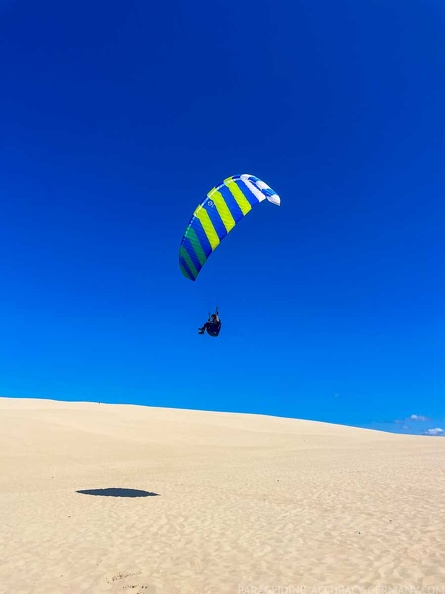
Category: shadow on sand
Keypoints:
(116, 492)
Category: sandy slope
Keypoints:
(243, 502)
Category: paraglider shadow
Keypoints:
(117, 492)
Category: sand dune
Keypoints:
(105, 498)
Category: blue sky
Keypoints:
(116, 120)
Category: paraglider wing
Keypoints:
(221, 210)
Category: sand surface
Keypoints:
(238, 503)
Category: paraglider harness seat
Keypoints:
(213, 329)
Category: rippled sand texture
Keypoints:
(105, 498)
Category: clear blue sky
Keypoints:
(117, 118)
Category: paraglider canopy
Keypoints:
(222, 209)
